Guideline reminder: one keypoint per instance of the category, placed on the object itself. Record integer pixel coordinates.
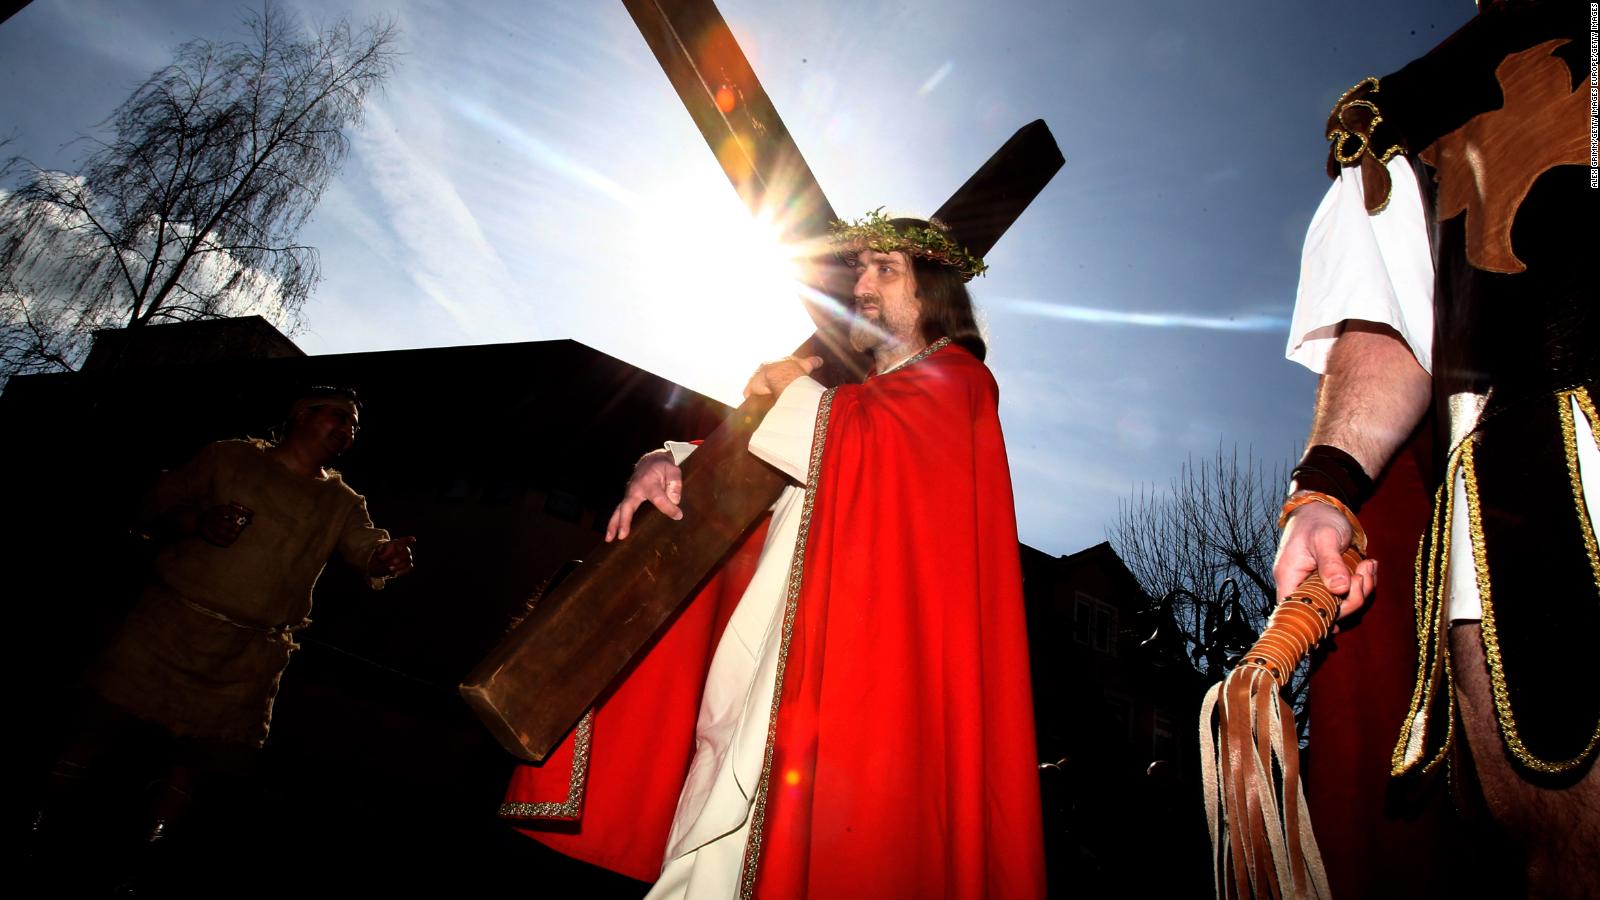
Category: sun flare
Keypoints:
(732, 286)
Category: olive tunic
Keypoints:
(203, 650)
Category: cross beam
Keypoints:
(533, 687)
(714, 80)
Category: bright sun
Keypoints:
(730, 284)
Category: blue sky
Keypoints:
(529, 174)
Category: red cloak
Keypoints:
(901, 758)
(607, 794)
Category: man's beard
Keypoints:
(866, 335)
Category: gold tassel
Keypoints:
(1261, 835)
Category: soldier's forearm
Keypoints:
(1371, 398)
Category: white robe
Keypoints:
(706, 846)
(705, 850)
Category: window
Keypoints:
(1094, 623)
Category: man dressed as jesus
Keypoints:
(854, 716)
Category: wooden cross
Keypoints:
(538, 682)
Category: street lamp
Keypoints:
(1220, 631)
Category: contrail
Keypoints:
(1247, 322)
(544, 154)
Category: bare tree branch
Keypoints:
(1217, 520)
(215, 164)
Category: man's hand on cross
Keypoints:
(773, 377)
(655, 478)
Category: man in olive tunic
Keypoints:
(254, 523)
(247, 526)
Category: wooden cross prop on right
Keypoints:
(533, 687)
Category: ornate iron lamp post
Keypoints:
(1220, 630)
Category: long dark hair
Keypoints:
(946, 305)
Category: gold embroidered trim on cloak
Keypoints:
(819, 439)
(758, 809)
(1340, 131)
(920, 355)
(1500, 688)
(925, 352)
(573, 805)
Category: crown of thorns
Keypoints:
(875, 231)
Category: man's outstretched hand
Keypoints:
(656, 478)
(1313, 540)
(392, 558)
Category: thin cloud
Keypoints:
(933, 80)
(1258, 322)
(544, 154)
(446, 251)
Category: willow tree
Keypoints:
(192, 207)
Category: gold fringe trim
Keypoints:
(1434, 668)
(1569, 436)
(1433, 652)
(573, 805)
(1492, 647)
(1491, 637)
